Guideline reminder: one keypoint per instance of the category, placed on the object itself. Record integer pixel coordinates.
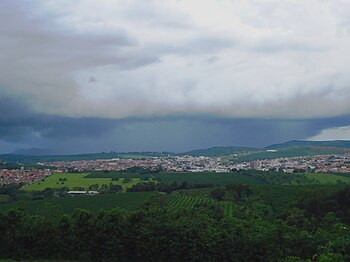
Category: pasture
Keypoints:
(58, 206)
(71, 180)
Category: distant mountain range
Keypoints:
(219, 151)
(287, 149)
(298, 143)
(35, 152)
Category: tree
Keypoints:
(218, 194)
(238, 191)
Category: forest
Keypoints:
(312, 226)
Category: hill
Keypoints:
(299, 143)
(23, 158)
(35, 152)
(219, 151)
(287, 149)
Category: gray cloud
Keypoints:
(77, 69)
(21, 128)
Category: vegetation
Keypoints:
(219, 151)
(178, 201)
(316, 229)
(77, 180)
(328, 178)
(208, 178)
(53, 206)
(237, 216)
(298, 143)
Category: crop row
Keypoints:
(178, 201)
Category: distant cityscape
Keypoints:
(318, 164)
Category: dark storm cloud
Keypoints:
(18, 123)
(22, 128)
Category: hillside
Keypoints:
(219, 151)
(51, 158)
(292, 152)
(287, 149)
(35, 152)
(299, 143)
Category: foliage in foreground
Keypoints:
(319, 230)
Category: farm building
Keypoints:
(82, 193)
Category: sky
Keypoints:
(172, 75)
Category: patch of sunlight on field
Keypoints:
(71, 180)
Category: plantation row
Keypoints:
(178, 201)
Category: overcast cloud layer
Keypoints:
(134, 58)
(173, 63)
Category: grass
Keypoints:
(328, 178)
(76, 180)
(58, 206)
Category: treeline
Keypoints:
(231, 192)
(14, 193)
(202, 233)
(269, 177)
(133, 172)
(164, 187)
(278, 177)
(26, 166)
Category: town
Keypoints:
(317, 164)
(24, 177)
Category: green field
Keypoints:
(328, 178)
(76, 180)
(51, 206)
(177, 201)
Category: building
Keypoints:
(255, 164)
(82, 193)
